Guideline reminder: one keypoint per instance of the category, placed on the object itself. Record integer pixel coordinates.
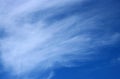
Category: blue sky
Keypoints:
(59, 39)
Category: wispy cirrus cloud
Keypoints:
(36, 38)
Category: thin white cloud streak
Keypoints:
(39, 45)
(28, 46)
(26, 7)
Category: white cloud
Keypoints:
(41, 45)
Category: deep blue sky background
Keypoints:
(105, 64)
(107, 67)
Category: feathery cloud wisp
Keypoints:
(32, 40)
